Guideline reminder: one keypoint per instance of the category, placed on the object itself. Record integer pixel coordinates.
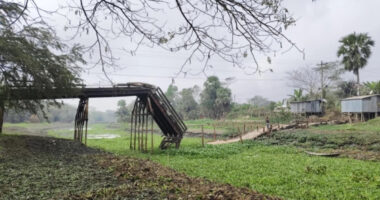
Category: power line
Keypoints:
(188, 77)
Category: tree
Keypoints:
(315, 81)
(304, 78)
(122, 113)
(222, 102)
(346, 89)
(215, 99)
(330, 74)
(187, 106)
(244, 28)
(172, 94)
(373, 87)
(259, 101)
(355, 50)
(34, 59)
(297, 95)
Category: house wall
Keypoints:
(370, 104)
(352, 106)
(297, 107)
(306, 107)
(315, 107)
(367, 105)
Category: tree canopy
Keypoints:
(34, 59)
(187, 106)
(123, 113)
(233, 31)
(355, 50)
(215, 99)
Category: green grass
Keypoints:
(25, 125)
(360, 141)
(94, 129)
(224, 128)
(372, 125)
(284, 171)
(275, 170)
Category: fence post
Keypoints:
(203, 137)
(214, 132)
(241, 139)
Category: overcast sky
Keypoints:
(319, 27)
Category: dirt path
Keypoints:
(248, 136)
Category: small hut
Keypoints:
(312, 107)
(367, 106)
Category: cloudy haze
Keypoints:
(320, 25)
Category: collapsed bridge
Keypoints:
(151, 105)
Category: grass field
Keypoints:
(33, 167)
(275, 170)
(275, 165)
(360, 140)
(223, 128)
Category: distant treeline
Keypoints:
(64, 114)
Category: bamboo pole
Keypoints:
(138, 126)
(151, 133)
(85, 136)
(1, 115)
(146, 131)
(142, 128)
(130, 141)
(135, 127)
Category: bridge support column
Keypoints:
(81, 121)
(141, 115)
(1, 116)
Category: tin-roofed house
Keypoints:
(312, 107)
(367, 107)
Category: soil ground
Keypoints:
(247, 136)
(34, 167)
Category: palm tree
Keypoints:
(297, 96)
(355, 51)
(373, 87)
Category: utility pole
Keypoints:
(320, 69)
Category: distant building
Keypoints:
(312, 107)
(367, 106)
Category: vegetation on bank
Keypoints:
(276, 170)
(50, 168)
(275, 165)
(359, 141)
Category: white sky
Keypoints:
(319, 27)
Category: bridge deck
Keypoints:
(151, 99)
(84, 92)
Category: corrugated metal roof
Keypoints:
(322, 100)
(360, 97)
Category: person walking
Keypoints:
(267, 123)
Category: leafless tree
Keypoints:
(315, 80)
(305, 78)
(233, 30)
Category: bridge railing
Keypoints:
(169, 108)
